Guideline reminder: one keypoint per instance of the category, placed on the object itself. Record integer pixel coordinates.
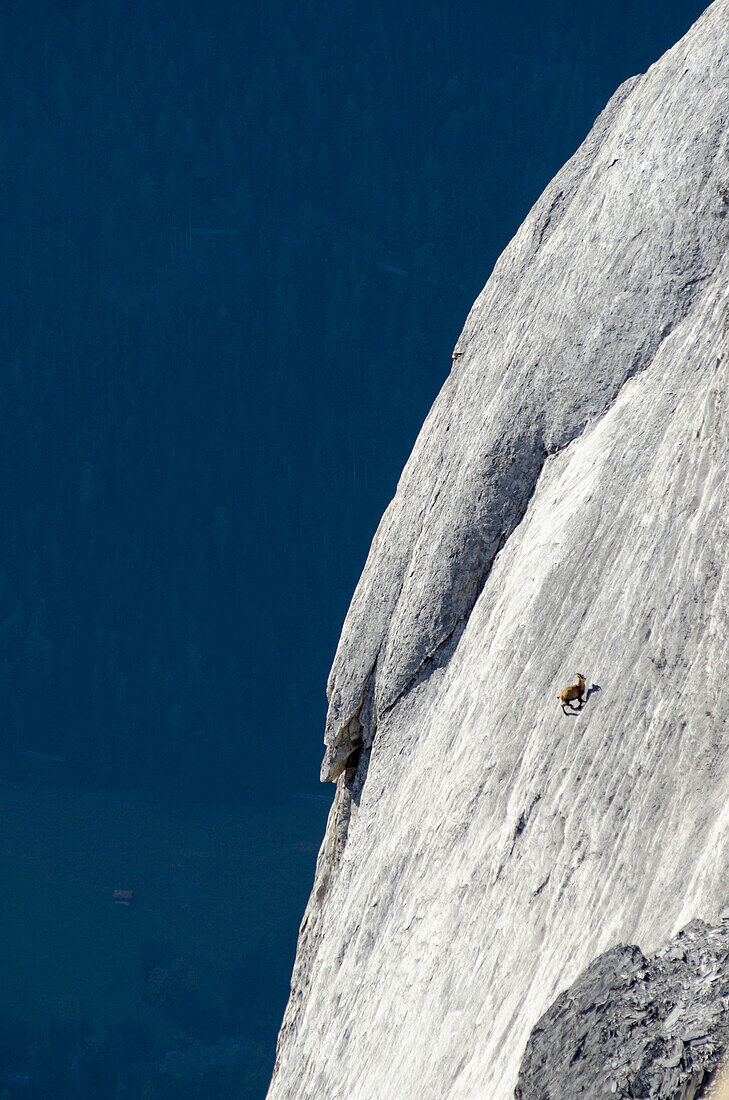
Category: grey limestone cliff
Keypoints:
(564, 509)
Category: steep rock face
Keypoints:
(607, 262)
(564, 509)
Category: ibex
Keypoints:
(574, 691)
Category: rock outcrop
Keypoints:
(632, 1026)
(564, 509)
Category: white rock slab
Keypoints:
(564, 509)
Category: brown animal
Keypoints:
(574, 691)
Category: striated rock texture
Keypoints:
(564, 509)
(633, 1026)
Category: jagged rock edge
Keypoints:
(351, 734)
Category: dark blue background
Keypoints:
(239, 241)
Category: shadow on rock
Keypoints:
(593, 688)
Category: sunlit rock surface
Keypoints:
(564, 510)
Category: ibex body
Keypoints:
(574, 691)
